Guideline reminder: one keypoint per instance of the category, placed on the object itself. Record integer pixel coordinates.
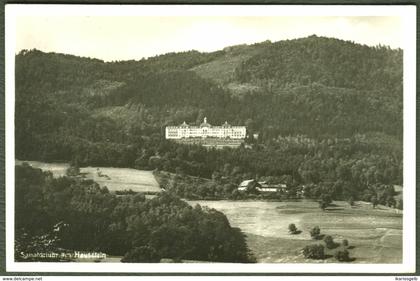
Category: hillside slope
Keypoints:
(315, 86)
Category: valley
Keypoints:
(374, 234)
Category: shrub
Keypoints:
(390, 201)
(374, 200)
(329, 242)
(325, 201)
(315, 232)
(292, 228)
(342, 255)
(314, 252)
(345, 243)
(323, 205)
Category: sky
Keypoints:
(112, 38)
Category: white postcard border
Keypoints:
(408, 13)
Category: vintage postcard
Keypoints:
(210, 139)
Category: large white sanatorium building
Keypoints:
(205, 130)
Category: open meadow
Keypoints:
(115, 179)
(374, 235)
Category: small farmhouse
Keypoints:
(249, 185)
(265, 187)
(254, 185)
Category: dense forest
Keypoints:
(344, 170)
(319, 112)
(70, 214)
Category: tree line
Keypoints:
(69, 214)
(114, 114)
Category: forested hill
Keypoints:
(327, 61)
(315, 86)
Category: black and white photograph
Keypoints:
(185, 138)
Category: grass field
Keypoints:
(374, 234)
(115, 179)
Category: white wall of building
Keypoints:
(205, 130)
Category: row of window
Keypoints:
(175, 134)
(208, 131)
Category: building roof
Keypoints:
(226, 125)
(245, 183)
(185, 125)
(205, 124)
